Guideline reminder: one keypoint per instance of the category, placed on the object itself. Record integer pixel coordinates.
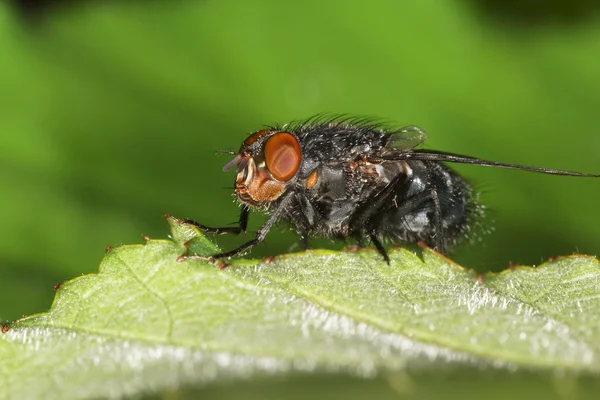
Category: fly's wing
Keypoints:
(403, 140)
(400, 144)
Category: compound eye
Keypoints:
(283, 156)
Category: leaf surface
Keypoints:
(149, 323)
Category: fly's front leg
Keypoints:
(242, 224)
(260, 235)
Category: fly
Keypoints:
(352, 178)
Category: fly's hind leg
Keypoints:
(380, 248)
(304, 242)
(440, 243)
(371, 214)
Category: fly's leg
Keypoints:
(242, 224)
(437, 220)
(371, 215)
(380, 248)
(363, 216)
(260, 235)
(304, 242)
(360, 242)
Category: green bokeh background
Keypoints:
(112, 113)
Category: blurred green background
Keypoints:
(112, 113)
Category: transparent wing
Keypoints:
(404, 140)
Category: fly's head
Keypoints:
(266, 166)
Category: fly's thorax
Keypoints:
(381, 173)
(267, 164)
(352, 181)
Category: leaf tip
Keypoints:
(191, 238)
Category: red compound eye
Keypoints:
(283, 156)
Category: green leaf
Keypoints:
(147, 323)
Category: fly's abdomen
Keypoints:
(433, 204)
